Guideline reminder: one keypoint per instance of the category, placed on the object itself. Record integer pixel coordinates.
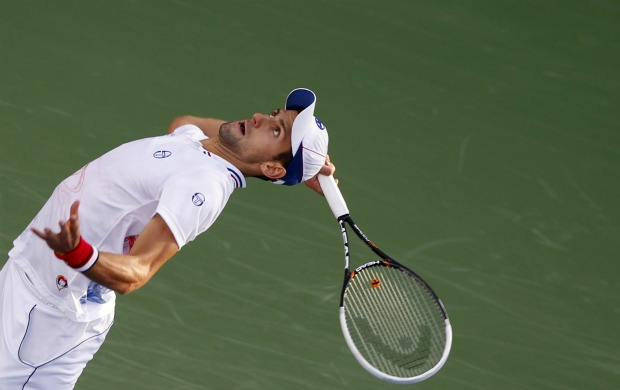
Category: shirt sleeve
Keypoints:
(190, 206)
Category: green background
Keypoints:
(476, 141)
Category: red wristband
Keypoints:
(82, 257)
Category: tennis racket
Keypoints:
(393, 322)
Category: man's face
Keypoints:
(260, 138)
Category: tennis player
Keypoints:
(122, 216)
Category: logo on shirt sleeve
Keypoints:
(198, 199)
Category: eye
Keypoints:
(276, 130)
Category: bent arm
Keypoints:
(209, 126)
(121, 273)
(127, 273)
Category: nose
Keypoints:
(258, 118)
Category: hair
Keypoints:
(284, 158)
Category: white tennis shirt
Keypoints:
(171, 175)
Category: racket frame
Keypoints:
(341, 212)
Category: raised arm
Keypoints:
(121, 273)
(209, 126)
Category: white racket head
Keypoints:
(394, 324)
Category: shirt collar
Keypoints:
(235, 174)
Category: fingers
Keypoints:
(328, 168)
(41, 234)
(73, 212)
(67, 231)
(68, 237)
(48, 236)
(74, 219)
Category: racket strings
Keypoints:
(394, 321)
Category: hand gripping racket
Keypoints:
(393, 322)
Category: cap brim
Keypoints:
(307, 133)
(302, 100)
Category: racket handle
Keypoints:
(333, 195)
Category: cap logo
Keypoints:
(319, 123)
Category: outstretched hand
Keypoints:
(328, 170)
(68, 237)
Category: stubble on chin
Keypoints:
(227, 137)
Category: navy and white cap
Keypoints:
(308, 139)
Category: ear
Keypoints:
(272, 169)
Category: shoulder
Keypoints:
(189, 130)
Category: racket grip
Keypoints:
(333, 195)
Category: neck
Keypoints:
(214, 146)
